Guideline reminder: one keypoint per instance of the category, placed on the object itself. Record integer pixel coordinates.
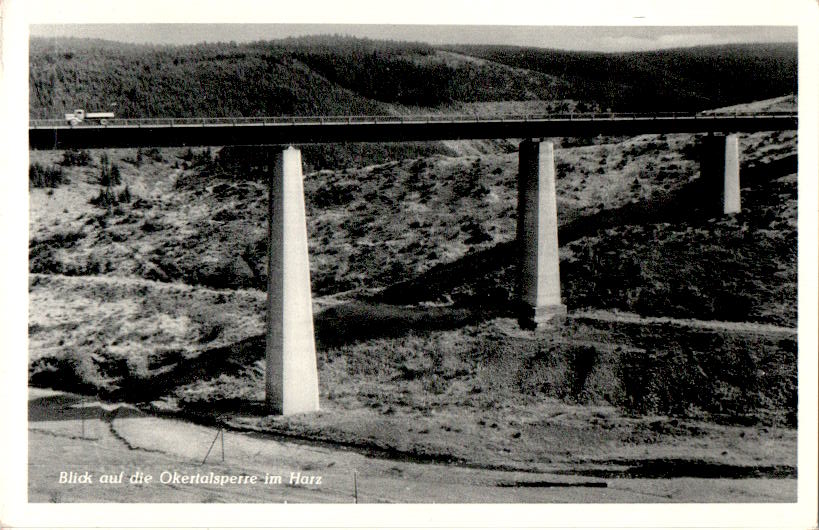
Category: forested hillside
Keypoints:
(320, 76)
(670, 80)
(206, 80)
(341, 75)
(419, 75)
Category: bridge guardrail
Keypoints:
(414, 119)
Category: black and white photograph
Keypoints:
(542, 264)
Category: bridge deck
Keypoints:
(56, 134)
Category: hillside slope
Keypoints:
(311, 76)
(342, 75)
(674, 79)
(442, 228)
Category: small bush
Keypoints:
(476, 233)
(335, 194)
(150, 152)
(418, 166)
(125, 195)
(74, 157)
(105, 198)
(187, 155)
(203, 159)
(109, 173)
(692, 150)
(471, 184)
(151, 225)
(45, 177)
(582, 360)
(134, 161)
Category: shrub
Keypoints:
(335, 194)
(74, 157)
(470, 184)
(150, 152)
(109, 173)
(692, 150)
(45, 177)
(105, 198)
(124, 195)
(582, 360)
(418, 166)
(187, 155)
(203, 159)
(476, 233)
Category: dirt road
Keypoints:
(104, 442)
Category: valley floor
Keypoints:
(108, 439)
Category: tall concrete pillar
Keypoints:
(720, 171)
(539, 276)
(291, 381)
(731, 200)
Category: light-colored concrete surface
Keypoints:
(292, 376)
(720, 169)
(731, 195)
(537, 231)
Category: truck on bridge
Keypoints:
(79, 116)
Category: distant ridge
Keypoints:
(693, 78)
(344, 75)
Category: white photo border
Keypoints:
(17, 15)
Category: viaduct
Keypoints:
(291, 375)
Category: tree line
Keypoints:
(343, 75)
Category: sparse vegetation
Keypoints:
(109, 177)
(105, 198)
(425, 359)
(74, 157)
(45, 177)
(109, 173)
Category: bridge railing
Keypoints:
(430, 118)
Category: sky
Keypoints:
(588, 38)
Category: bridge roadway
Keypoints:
(170, 132)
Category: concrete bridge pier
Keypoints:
(291, 377)
(539, 265)
(719, 170)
